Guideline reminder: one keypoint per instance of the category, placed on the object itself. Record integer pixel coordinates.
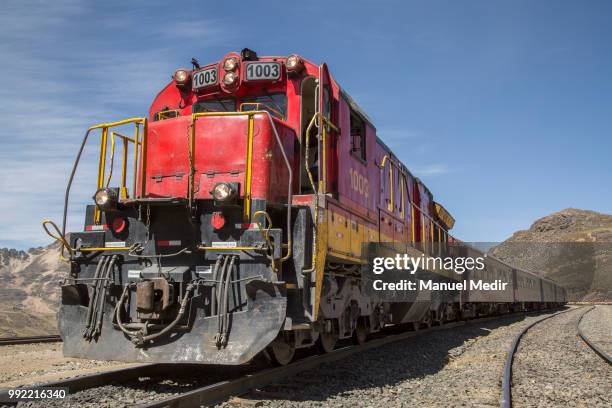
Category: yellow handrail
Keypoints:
(59, 237)
(325, 122)
(119, 123)
(162, 115)
(392, 164)
(249, 164)
(125, 139)
(257, 105)
(306, 155)
(412, 204)
(248, 173)
(323, 162)
(102, 160)
(265, 232)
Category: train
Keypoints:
(232, 221)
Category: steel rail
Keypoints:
(220, 391)
(506, 400)
(7, 341)
(598, 350)
(88, 381)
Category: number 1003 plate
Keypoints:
(205, 78)
(257, 71)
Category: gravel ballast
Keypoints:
(448, 368)
(597, 326)
(175, 379)
(553, 367)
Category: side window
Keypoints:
(358, 136)
(327, 101)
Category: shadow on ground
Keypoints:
(385, 366)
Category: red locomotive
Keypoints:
(254, 183)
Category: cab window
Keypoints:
(215, 105)
(358, 136)
(275, 103)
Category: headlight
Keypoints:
(230, 64)
(294, 63)
(181, 76)
(229, 78)
(223, 192)
(105, 198)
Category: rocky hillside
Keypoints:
(29, 290)
(573, 247)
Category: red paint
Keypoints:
(247, 226)
(217, 220)
(119, 225)
(221, 143)
(170, 243)
(103, 227)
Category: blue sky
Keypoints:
(503, 108)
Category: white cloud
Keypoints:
(64, 69)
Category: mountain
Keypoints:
(29, 290)
(572, 247)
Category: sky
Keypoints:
(503, 108)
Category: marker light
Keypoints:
(222, 192)
(230, 64)
(217, 220)
(181, 77)
(294, 64)
(105, 198)
(229, 78)
(119, 225)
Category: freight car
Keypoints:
(234, 222)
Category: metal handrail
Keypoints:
(265, 232)
(410, 202)
(126, 140)
(391, 195)
(138, 121)
(266, 106)
(312, 123)
(59, 237)
(306, 155)
(163, 115)
(102, 162)
(322, 183)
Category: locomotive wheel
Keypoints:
(327, 342)
(426, 321)
(279, 352)
(361, 333)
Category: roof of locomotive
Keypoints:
(356, 107)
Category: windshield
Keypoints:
(215, 105)
(275, 103)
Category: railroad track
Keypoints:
(506, 401)
(218, 392)
(239, 381)
(600, 351)
(7, 341)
